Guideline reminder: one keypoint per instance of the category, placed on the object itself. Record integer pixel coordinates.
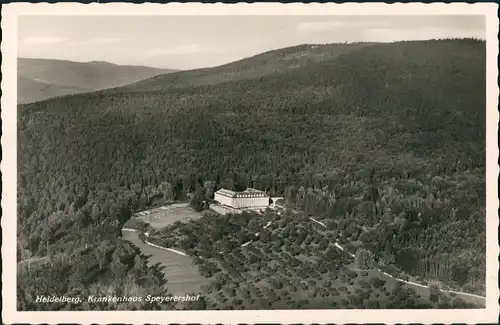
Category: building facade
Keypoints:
(248, 199)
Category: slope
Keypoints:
(39, 79)
(259, 65)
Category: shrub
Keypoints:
(351, 274)
(364, 284)
(364, 259)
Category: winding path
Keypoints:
(157, 246)
(178, 268)
(336, 245)
(32, 259)
(398, 279)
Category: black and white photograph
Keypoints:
(222, 161)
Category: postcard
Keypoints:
(250, 163)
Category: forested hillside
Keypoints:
(40, 79)
(389, 137)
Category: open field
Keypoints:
(223, 210)
(182, 276)
(179, 271)
(161, 217)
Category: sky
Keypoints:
(189, 42)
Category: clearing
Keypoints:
(164, 216)
(182, 276)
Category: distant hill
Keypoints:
(40, 79)
(30, 90)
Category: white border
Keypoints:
(8, 166)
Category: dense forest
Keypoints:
(431, 227)
(385, 138)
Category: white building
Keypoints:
(248, 199)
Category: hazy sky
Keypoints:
(187, 42)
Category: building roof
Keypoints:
(225, 192)
(249, 192)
